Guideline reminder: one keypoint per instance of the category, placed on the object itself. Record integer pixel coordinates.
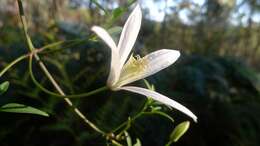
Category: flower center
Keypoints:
(134, 67)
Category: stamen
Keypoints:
(134, 67)
(138, 57)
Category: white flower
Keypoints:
(123, 72)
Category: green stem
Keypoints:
(21, 58)
(62, 94)
(62, 69)
(24, 23)
(50, 47)
(132, 119)
(116, 143)
(38, 84)
(12, 64)
(47, 73)
(99, 6)
(169, 143)
(126, 122)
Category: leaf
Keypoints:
(4, 87)
(128, 139)
(179, 131)
(138, 142)
(164, 115)
(20, 108)
(148, 85)
(117, 13)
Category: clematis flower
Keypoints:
(123, 71)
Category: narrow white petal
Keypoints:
(115, 60)
(159, 60)
(129, 34)
(104, 35)
(161, 98)
(150, 64)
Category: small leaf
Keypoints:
(128, 139)
(156, 108)
(20, 108)
(164, 115)
(4, 87)
(138, 142)
(179, 131)
(148, 85)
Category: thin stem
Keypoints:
(147, 102)
(67, 100)
(21, 58)
(38, 84)
(126, 122)
(99, 6)
(169, 143)
(24, 23)
(116, 143)
(12, 64)
(72, 42)
(47, 73)
(62, 69)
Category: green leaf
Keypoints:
(138, 142)
(20, 108)
(4, 87)
(179, 131)
(117, 13)
(148, 85)
(128, 139)
(163, 115)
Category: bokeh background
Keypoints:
(217, 76)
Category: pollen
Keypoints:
(135, 64)
(134, 67)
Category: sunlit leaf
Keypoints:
(138, 142)
(20, 108)
(4, 87)
(179, 131)
(156, 108)
(128, 139)
(148, 85)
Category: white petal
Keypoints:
(129, 34)
(115, 60)
(161, 98)
(159, 60)
(104, 35)
(151, 64)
